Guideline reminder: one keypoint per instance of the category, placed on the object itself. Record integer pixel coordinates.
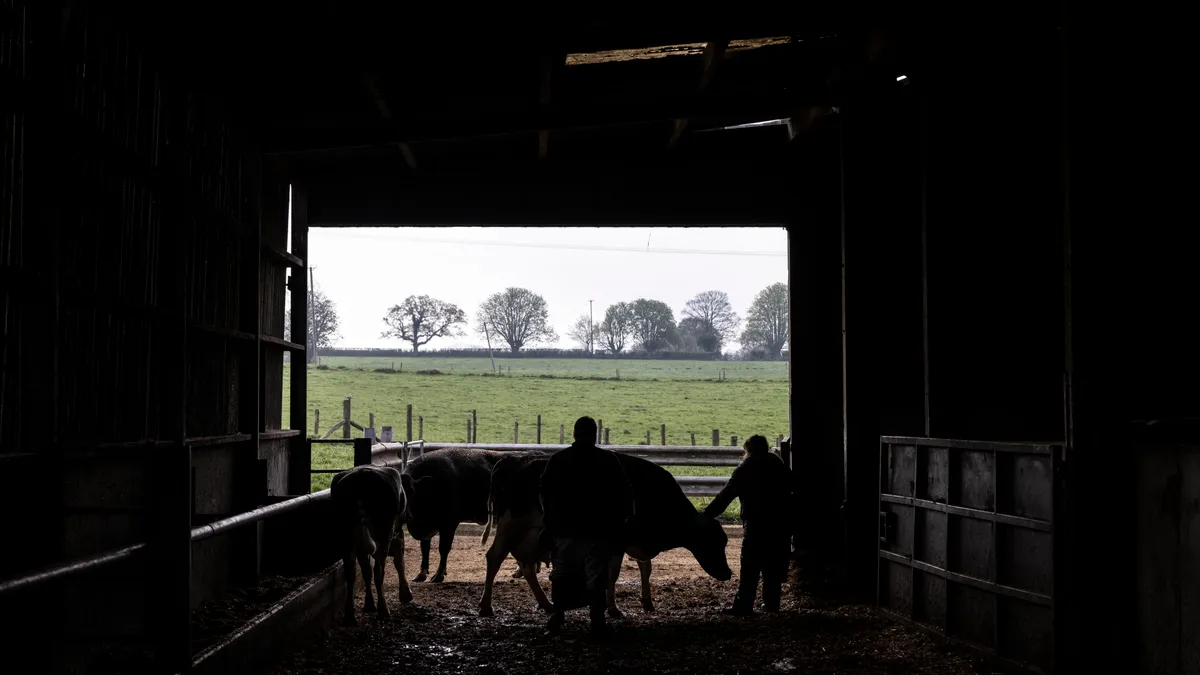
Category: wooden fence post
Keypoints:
(474, 428)
(693, 438)
(420, 427)
(599, 426)
(370, 420)
(408, 436)
(468, 430)
(606, 436)
(346, 418)
(516, 432)
(316, 422)
(539, 430)
(562, 434)
(647, 438)
(733, 441)
(664, 434)
(716, 436)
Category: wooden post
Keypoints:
(474, 428)
(516, 431)
(716, 436)
(733, 440)
(371, 421)
(599, 426)
(647, 438)
(420, 427)
(346, 418)
(539, 430)
(316, 422)
(468, 430)
(693, 438)
(362, 451)
(562, 434)
(664, 434)
(606, 436)
(408, 435)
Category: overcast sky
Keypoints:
(367, 270)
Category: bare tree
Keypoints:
(694, 336)
(769, 322)
(421, 318)
(322, 324)
(518, 316)
(714, 316)
(617, 327)
(584, 332)
(653, 325)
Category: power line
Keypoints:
(578, 247)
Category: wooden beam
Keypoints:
(550, 63)
(375, 91)
(714, 52)
(554, 116)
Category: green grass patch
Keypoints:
(684, 395)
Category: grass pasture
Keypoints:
(687, 396)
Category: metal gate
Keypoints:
(966, 541)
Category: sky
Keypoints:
(367, 270)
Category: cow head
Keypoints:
(708, 543)
(412, 495)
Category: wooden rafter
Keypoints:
(556, 115)
(376, 94)
(714, 52)
(550, 64)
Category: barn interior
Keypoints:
(984, 258)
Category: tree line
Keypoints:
(517, 318)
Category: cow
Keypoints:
(451, 488)
(369, 504)
(664, 519)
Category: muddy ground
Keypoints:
(441, 632)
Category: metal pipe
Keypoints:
(702, 450)
(249, 517)
(72, 567)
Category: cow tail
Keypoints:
(487, 529)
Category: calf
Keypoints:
(370, 503)
(451, 488)
(665, 519)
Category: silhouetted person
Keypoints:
(764, 484)
(586, 504)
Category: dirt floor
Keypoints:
(441, 632)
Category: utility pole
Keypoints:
(310, 344)
(591, 333)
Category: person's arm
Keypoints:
(728, 493)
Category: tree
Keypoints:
(585, 332)
(421, 318)
(694, 336)
(616, 327)
(768, 322)
(653, 325)
(322, 325)
(518, 316)
(714, 317)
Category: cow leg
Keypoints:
(445, 543)
(495, 557)
(426, 544)
(644, 568)
(397, 550)
(382, 533)
(364, 562)
(519, 572)
(530, 572)
(614, 572)
(348, 572)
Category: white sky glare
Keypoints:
(367, 270)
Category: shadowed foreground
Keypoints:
(441, 632)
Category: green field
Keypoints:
(687, 396)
